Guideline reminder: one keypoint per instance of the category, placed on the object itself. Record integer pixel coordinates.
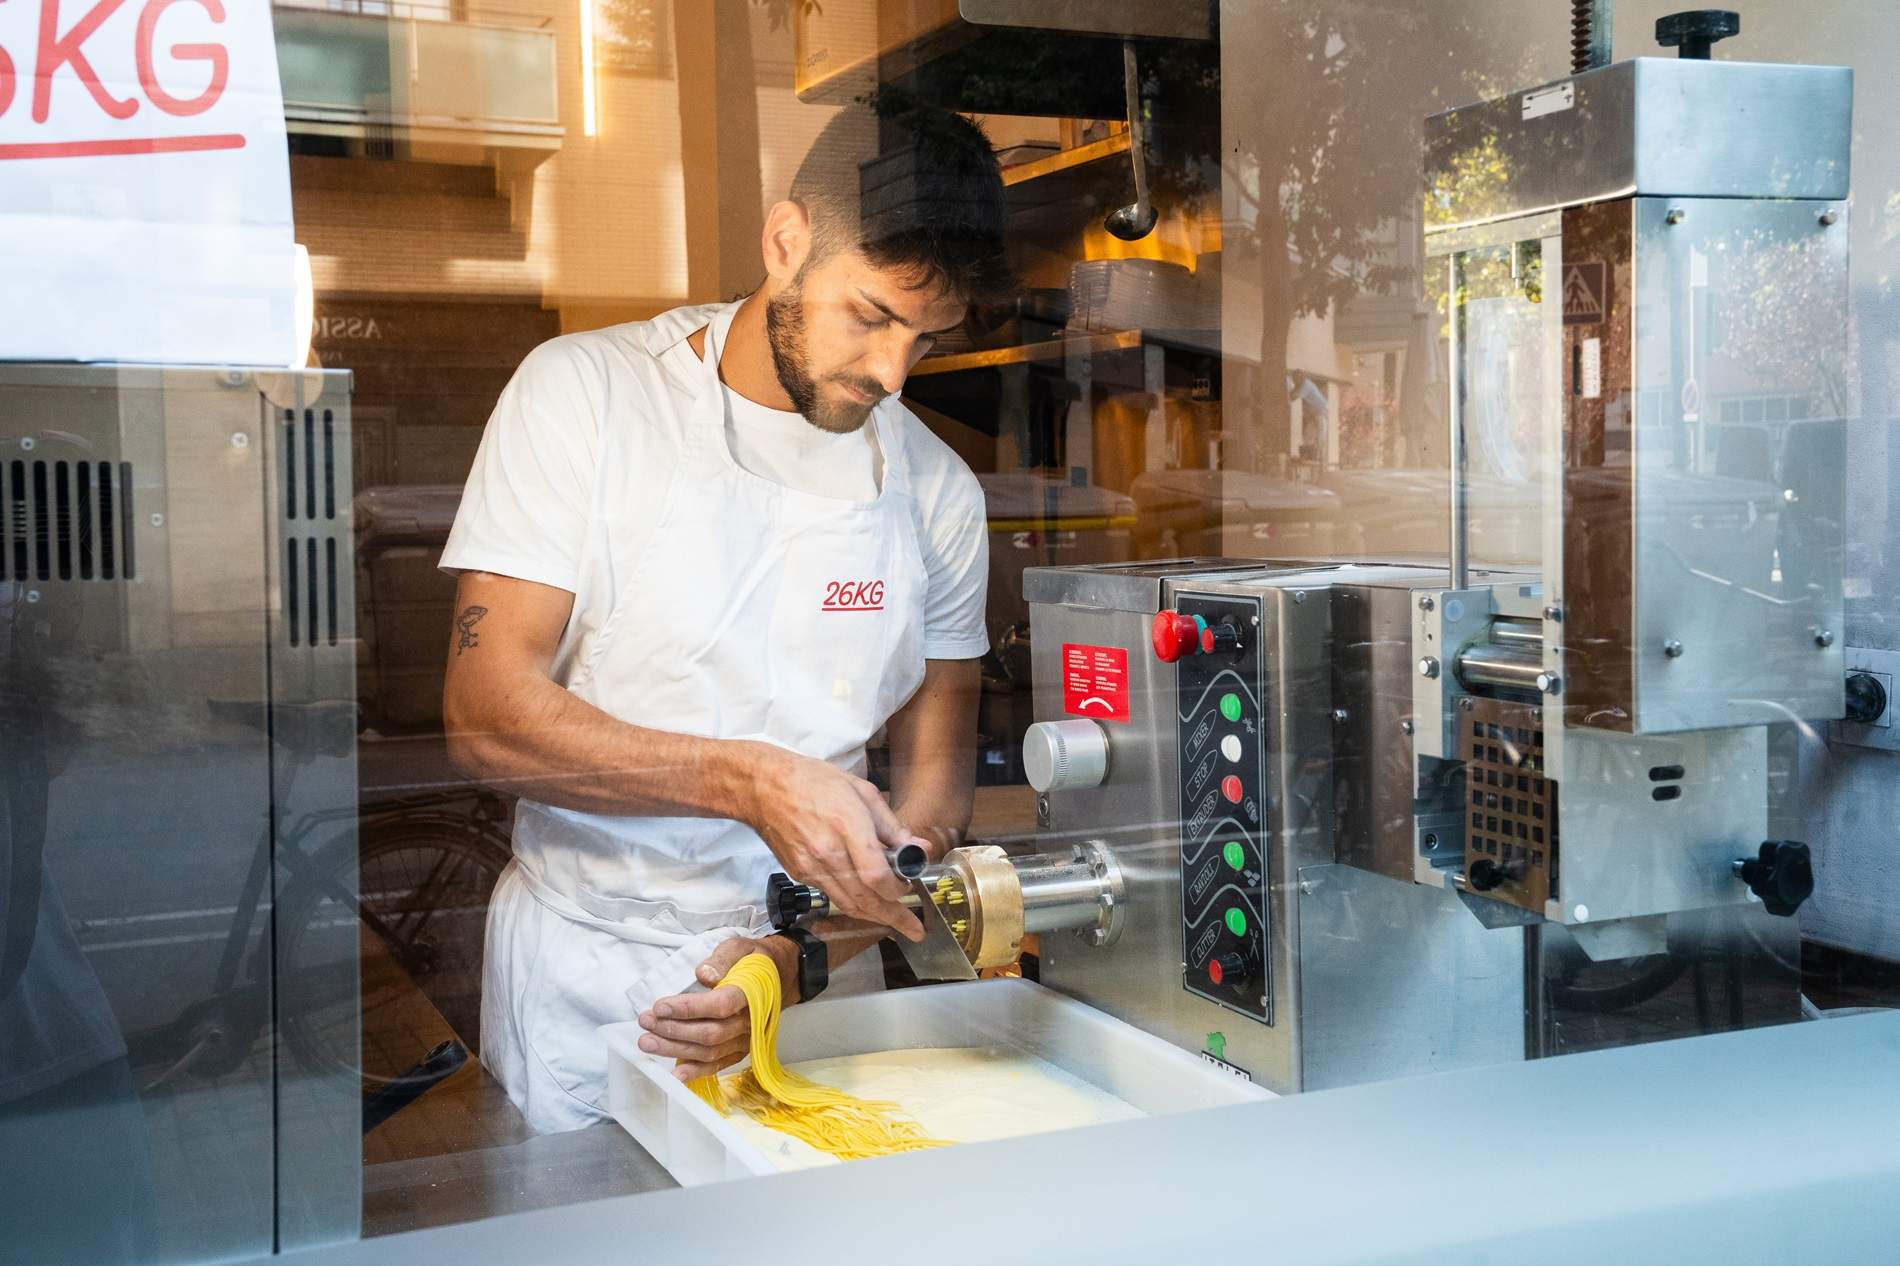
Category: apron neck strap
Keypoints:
(716, 331)
(715, 346)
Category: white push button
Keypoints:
(1230, 747)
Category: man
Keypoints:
(703, 560)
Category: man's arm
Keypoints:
(933, 754)
(511, 725)
(712, 1030)
(933, 776)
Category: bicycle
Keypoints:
(424, 876)
(425, 868)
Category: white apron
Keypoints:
(743, 609)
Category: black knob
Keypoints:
(788, 902)
(1693, 33)
(1222, 638)
(1782, 875)
(1484, 874)
(1866, 698)
(1228, 968)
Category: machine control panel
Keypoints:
(1224, 940)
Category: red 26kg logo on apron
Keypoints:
(853, 595)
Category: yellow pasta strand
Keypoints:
(828, 1119)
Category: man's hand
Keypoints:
(830, 830)
(713, 1030)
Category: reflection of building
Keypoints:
(416, 142)
(1389, 337)
(470, 182)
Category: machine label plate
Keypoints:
(1223, 806)
(1095, 682)
(1233, 1070)
(1553, 100)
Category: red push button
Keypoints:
(1231, 788)
(1175, 636)
(1222, 637)
(1221, 966)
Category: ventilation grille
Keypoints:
(1668, 780)
(1513, 810)
(310, 549)
(66, 521)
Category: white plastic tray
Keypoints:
(697, 1145)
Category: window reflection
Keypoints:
(69, 1111)
(246, 891)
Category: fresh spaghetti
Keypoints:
(830, 1120)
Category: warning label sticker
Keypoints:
(1586, 292)
(1095, 682)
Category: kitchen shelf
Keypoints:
(1066, 161)
(1056, 349)
(1053, 196)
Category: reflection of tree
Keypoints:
(1365, 436)
(1342, 94)
(637, 31)
(633, 30)
(1472, 186)
(1500, 292)
(1782, 321)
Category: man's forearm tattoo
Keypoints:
(466, 622)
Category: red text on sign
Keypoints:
(59, 52)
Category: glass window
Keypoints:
(1260, 533)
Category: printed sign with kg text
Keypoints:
(144, 184)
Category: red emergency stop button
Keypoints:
(1231, 788)
(1175, 636)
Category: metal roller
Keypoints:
(1518, 633)
(1512, 665)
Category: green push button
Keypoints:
(1236, 920)
(1230, 706)
(1236, 855)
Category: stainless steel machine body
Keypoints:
(1380, 819)
(1313, 818)
(1667, 241)
(1688, 219)
(1339, 975)
(177, 617)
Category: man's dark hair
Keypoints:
(917, 190)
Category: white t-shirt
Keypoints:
(780, 445)
(583, 403)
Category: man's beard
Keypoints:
(785, 331)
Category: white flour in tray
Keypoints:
(965, 1094)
